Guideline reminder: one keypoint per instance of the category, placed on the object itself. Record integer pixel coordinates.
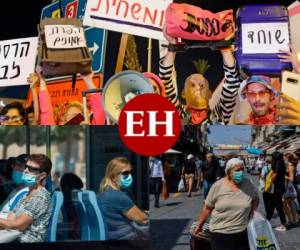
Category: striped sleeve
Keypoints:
(227, 102)
(165, 74)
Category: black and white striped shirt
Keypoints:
(222, 112)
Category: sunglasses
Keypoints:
(33, 169)
(126, 173)
(261, 94)
(5, 118)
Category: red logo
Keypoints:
(149, 124)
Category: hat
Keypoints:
(263, 80)
(232, 163)
(157, 81)
(190, 156)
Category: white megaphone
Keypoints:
(120, 89)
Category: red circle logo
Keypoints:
(149, 124)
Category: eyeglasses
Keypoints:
(261, 94)
(5, 118)
(125, 173)
(33, 169)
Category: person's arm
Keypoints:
(135, 214)
(231, 85)
(96, 101)
(33, 80)
(254, 206)
(182, 172)
(291, 57)
(46, 108)
(20, 223)
(166, 66)
(291, 176)
(288, 111)
(203, 215)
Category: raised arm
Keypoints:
(96, 102)
(33, 80)
(231, 85)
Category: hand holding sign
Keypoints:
(291, 56)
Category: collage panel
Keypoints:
(71, 186)
(227, 184)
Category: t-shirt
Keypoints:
(113, 204)
(231, 210)
(38, 207)
(210, 171)
(190, 168)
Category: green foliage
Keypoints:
(201, 65)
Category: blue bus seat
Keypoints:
(98, 230)
(81, 213)
(57, 202)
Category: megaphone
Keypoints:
(120, 89)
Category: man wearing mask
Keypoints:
(17, 164)
(32, 213)
(210, 173)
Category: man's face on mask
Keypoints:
(196, 91)
(259, 98)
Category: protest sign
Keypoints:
(17, 60)
(142, 18)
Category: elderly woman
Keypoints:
(231, 202)
(33, 212)
(117, 207)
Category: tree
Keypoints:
(131, 56)
(67, 135)
(10, 135)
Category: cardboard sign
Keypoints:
(265, 38)
(17, 60)
(137, 17)
(64, 37)
(61, 91)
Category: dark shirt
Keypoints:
(279, 182)
(211, 171)
(190, 168)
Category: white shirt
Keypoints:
(156, 168)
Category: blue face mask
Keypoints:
(126, 181)
(238, 176)
(17, 177)
(29, 179)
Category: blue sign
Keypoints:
(95, 37)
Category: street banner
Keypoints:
(17, 60)
(137, 17)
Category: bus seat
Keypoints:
(81, 213)
(96, 221)
(57, 202)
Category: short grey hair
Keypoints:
(232, 163)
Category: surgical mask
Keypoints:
(17, 177)
(29, 179)
(126, 181)
(238, 176)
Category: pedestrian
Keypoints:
(199, 164)
(264, 173)
(290, 192)
(274, 199)
(297, 179)
(210, 173)
(231, 203)
(156, 178)
(188, 173)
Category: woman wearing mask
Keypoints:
(33, 212)
(117, 207)
(231, 201)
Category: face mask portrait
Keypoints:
(196, 92)
(29, 180)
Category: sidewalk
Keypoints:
(169, 228)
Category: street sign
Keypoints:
(96, 38)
